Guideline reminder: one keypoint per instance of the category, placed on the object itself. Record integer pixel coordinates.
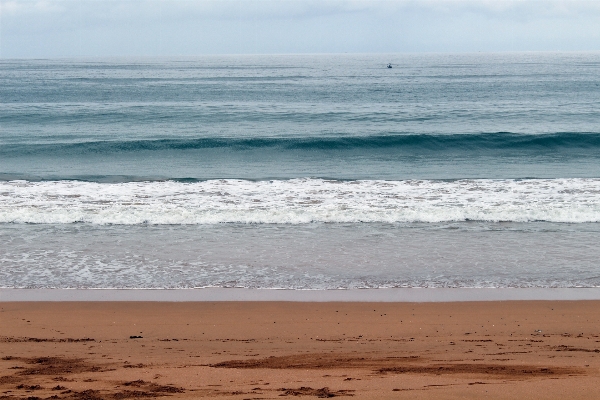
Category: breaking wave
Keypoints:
(300, 201)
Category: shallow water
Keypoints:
(308, 256)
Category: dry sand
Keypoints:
(260, 350)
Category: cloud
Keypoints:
(287, 9)
(32, 28)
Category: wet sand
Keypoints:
(393, 295)
(260, 350)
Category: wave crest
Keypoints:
(397, 142)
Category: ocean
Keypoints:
(301, 171)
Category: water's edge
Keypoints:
(350, 295)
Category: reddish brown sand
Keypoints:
(254, 350)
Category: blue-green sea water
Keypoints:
(301, 171)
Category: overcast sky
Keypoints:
(71, 28)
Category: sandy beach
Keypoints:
(260, 350)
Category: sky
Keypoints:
(90, 28)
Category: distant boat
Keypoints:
(389, 65)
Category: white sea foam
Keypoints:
(300, 201)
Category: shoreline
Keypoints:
(395, 295)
